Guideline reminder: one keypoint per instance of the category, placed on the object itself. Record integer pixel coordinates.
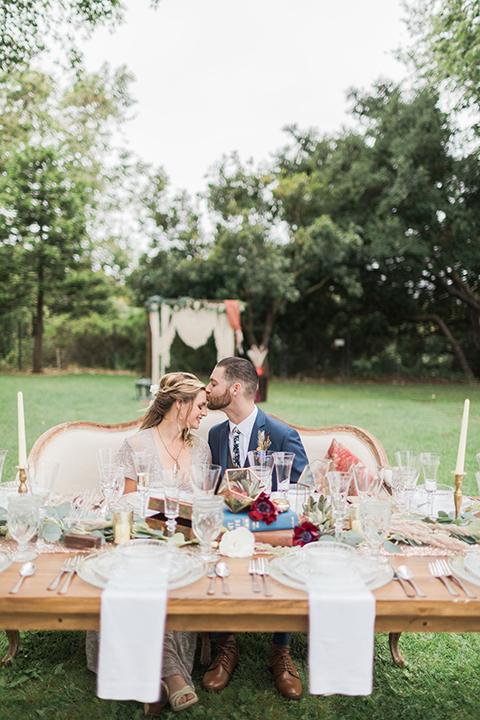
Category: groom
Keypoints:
(232, 388)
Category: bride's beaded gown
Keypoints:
(178, 646)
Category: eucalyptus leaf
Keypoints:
(52, 532)
(389, 546)
(352, 537)
(63, 510)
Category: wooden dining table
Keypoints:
(190, 608)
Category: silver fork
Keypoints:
(65, 568)
(71, 572)
(436, 572)
(253, 572)
(262, 570)
(445, 570)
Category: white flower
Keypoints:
(237, 543)
(154, 389)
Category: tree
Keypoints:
(447, 35)
(412, 203)
(53, 144)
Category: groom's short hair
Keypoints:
(242, 371)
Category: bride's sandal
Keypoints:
(177, 696)
(154, 709)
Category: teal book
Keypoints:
(285, 521)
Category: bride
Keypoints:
(179, 405)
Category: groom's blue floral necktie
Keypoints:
(236, 447)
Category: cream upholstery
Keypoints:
(73, 446)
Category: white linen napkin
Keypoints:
(132, 625)
(341, 638)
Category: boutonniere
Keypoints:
(264, 510)
(263, 441)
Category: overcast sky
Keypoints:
(214, 76)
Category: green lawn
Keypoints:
(49, 679)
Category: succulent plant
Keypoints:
(319, 514)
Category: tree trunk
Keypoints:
(455, 346)
(475, 322)
(269, 323)
(37, 349)
(148, 350)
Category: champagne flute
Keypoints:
(368, 481)
(430, 464)
(41, 477)
(283, 470)
(143, 460)
(339, 484)
(207, 522)
(172, 481)
(22, 521)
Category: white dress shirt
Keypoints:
(245, 429)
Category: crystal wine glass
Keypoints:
(375, 515)
(283, 470)
(339, 484)
(264, 474)
(172, 481)
(368, 481)
(204, 479)
(41, 477)
(207, 522)
(430, 464)
(413, 461)
(22, 521)
(112, 483)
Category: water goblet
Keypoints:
(205, 479)
(398, 485)
(41, 477)
(172, 481)
(207, 522)
(430, 464)
(375, 516)
(368, 481)
(413, 461)
(143, 460)
(22, 521)
(339, 484)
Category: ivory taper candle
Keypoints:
(460, 466)
(22, 443)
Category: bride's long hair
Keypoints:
(180, 386)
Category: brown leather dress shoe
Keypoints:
(220, 671)
(284, 674)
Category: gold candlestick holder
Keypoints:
(458, 495)
(22, 476)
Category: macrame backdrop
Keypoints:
(194, 321)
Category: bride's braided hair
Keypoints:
(180, 386)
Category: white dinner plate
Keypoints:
(5, 561)
(472, 563)
(457, 564)
(299, 565)
(373, 573)
(185, 568)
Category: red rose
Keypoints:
(305, 533)
(263, 509)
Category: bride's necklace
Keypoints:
(176, 466)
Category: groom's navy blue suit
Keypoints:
(283, 438)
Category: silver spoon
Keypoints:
(26, 570)
(406, 574)
(223, 571)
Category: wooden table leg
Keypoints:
(397, 657)
(13, 645)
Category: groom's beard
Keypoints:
(219, 403)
